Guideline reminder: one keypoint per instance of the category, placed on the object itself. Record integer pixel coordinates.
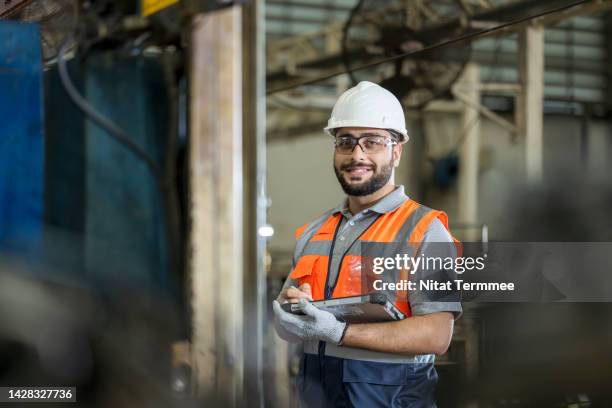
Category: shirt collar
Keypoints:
(387, 204)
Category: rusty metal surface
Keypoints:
(9, 7)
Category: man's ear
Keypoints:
(397, 154)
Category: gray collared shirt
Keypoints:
(353, 226)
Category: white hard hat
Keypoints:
(368, 105)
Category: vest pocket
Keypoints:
(311, 269)
(304, 267)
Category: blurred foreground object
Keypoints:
(550, 354)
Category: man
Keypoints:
(385, 364)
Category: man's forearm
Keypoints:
(415, 335)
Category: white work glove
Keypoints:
(280, 329)
(315, 325)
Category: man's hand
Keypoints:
(315, 325)
(293, 294)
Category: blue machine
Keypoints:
(103, 211)
(21, 140)
(73, 201)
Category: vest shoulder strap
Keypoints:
(418, 233)
(306, 231)
(414, 228)
(412, 220)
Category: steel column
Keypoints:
(530, 101)
(216, 199)
(469, 87)
(255, 201)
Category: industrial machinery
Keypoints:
(379, 30)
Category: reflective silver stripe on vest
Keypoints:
(312, 347)
(370, 249)
(317, 248)
(306, 247)
(369, 355)
(403, 235)
(308, 233)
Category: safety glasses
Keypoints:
(369, 144)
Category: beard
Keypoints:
(380, 177)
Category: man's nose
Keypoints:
(358, 153)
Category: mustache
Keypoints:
(354, 165)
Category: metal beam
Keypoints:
(483, 110)
(216, 213)
(306, 4)
(255, 202)
(593, 7)
(288, 20)
(530, 110)
(608, 21)
(8, 7)
(327, 63)
(469, 87)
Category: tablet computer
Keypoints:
(371, 308)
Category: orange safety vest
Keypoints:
(406, 224)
